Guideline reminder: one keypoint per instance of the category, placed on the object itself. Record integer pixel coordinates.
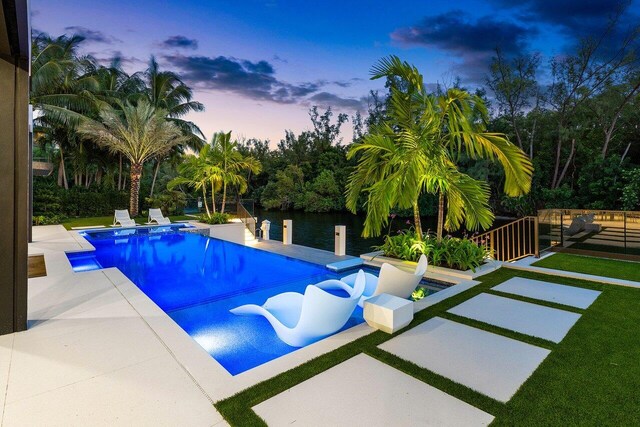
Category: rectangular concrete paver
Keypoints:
(545, 291)
(491, 364)
(366, 392)
(530, 319)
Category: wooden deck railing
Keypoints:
(512, 241)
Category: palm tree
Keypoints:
(62, 91)
(232, 164)
(198, 172)
(166, 91)
(138, 132)
(415, 150)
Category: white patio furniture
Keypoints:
(122, 218)
(388, 313)
(391, 281)
(155, 215)
(299, 319)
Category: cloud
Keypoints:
(255, 80)
(326, 99)
(455, 31)
(574, 15)
(578, 19)
(92, 35)
(180, 42)
(346, 83)
(474, 41)
(106, 58)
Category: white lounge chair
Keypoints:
(122, 217)
(391, 281)
(299, 320)
(155, 215)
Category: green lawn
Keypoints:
(625, 270)
(108, 220)
(591, 378)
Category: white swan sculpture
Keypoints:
(299, 320)
(391, 281)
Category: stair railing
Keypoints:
(512, 241)
(244, 211)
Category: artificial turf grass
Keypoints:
(107, 221)
(626, 270)
(591, 377)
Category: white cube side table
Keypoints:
(388, 313)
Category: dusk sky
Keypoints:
(258, 65)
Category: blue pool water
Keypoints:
(196, 280)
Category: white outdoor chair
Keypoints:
(122, 217)
(155, 215)
(299, 320)
(391, 281)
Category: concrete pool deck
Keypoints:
(98, 351)
(304, 253)
(96, 343)
(89, 357)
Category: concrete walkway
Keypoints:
(88, 357)
(304, 253)
(365, 392)
(523, 317)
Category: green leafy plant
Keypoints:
(171, 202)
(215, 218)
(452, 252)
(419, 293)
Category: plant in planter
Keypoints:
(215, 218)
(451, 252)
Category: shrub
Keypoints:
(48, 220)
(50, 200)
(171, 202)
(215, 218)
(452, 252)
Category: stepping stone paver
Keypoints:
(363, 391)
(545, 291)
(488, 363)
(529, 319)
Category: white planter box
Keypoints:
(377, 259)
(388, 313)
(231, 232)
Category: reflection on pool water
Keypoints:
(196, 280)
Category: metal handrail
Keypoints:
(246, 217)
(512, 241)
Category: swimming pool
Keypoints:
(196, 280)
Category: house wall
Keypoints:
(14, 164)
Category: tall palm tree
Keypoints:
(165, 90)
(62, 91)
(415, 150)
(139, 132)
(232, 164)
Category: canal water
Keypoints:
(316, 230)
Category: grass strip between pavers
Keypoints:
(591, 377)
(625, 270)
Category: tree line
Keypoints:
(576, 118)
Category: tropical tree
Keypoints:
(62, 91)
(138, 132)
(232, 163)
(198, 171)
(166, 91)
(415, 150)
